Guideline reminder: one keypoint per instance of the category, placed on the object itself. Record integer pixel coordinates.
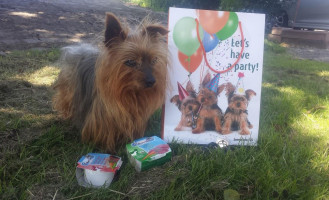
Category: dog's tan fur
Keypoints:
(121, 104)
(209, 108)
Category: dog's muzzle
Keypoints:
(149, 78)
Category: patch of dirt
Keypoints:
(309, 53)
(46, 23)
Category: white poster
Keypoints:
(217, 62)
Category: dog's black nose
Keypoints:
(149, 78)
(190, 108)
(238, 104)
(149, 82)
(202, 100)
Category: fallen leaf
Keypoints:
(230, 194)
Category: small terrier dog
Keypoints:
(110, 92)
(236, 114)
(188, 106)
(210, 115)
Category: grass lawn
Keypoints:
(38, 152)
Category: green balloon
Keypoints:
(229, 28)
(185, 35)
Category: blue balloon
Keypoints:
(209, 41)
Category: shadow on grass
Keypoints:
(25, 107)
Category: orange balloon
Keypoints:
(191, 63)
(212, 21)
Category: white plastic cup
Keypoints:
(98, 178)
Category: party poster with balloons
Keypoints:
(216, 77)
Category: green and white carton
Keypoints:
(148, 152)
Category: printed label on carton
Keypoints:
(147, 152)
(101, 162)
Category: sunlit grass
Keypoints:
(30, 65)
(44, 76)
(324, 73)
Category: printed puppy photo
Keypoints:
(210, 115)
(188, 105)
(236, 114)
(216, 79)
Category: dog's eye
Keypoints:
(154, 60)
(131, 63)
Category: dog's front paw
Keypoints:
(226, 131)
(197, 131)
(178, 128)
(244, 132)
(219, 130)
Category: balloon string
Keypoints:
(186, 80)
(204, 51)
(201, 72)
(189, 65)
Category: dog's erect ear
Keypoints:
(229, 89)
(155, 30)
(113, 30)
(189, 88)
(175, 100)
(221, 88)
(206, 79)
(249, 94)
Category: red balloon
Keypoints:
(212, 21)
(191, 63)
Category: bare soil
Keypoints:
(309, 53)
(46, 23)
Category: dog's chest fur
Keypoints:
(208, 112)
(236, 117)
